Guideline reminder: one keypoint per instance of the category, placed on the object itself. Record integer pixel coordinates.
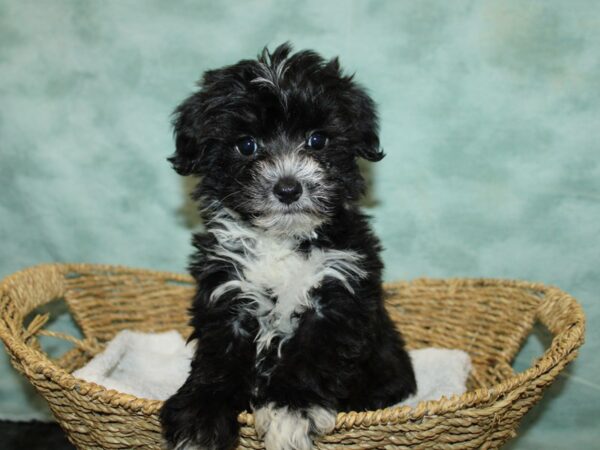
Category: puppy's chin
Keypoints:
(290, 224)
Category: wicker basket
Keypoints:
(487, 318)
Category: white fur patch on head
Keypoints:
(271, 76)
(287, 429)
(278, 278)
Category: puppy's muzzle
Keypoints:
(287, 190)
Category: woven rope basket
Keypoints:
(487, 318)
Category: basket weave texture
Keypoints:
(487, 318)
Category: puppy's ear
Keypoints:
(189, 145)
(367, 125)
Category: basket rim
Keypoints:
(571, 337)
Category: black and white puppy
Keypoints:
(288, 314)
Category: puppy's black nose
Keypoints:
(288, 190)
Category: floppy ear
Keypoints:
(367, 125)
(360, 110)
(189, 145)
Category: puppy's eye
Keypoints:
(316, 141)
(247, 146)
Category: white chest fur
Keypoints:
(270, 271)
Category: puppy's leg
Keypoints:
(303, 385)
(284, 428)
(202, 415)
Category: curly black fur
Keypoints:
(343, 352)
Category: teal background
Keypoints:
(490, 119)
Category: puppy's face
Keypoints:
(275, 140)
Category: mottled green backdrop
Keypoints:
(490, 119)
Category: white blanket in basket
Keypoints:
(155, 365)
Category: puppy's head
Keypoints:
(275, 140)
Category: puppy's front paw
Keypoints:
(186, 426)
(286, 429)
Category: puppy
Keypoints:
(288, 314)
